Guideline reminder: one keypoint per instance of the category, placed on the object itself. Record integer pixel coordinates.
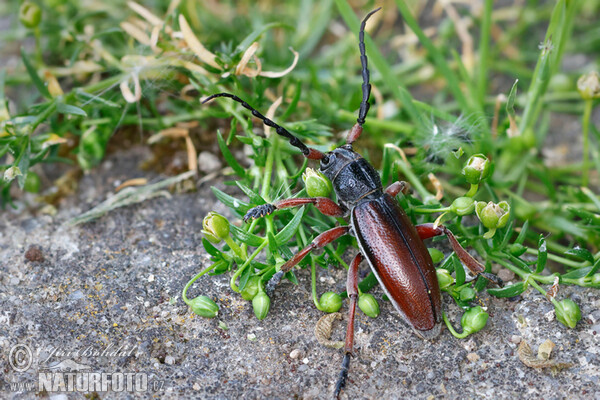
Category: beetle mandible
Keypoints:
(386, 237)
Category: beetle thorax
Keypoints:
(353, 178)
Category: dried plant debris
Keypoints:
(131, 195)
(323, 330)
(543, 358)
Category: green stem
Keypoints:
(462, 335)
(585, 126)
(241, 269)
(415, 182)
(420, 210)
(234, 246)
(191, 282)
(313, 278)
(472, 190)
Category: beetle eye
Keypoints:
(327, 161)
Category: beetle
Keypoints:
(387, 239)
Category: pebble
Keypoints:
(208, 162)
(506, 275)
(473, 357)
(296, 353)
(170, 360)
(516, 339)
(196, 386)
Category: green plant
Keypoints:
(95, 75)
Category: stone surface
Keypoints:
(117, 282)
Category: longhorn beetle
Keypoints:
(387, 239)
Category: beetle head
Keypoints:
(334, 161)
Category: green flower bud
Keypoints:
(588, 86)
(368, 305)
(476, 169)
(204, 307)
(567, 313)
(492, 216)
(444, 278)
(467, 294)
(251, 288)
(463, 206)
(32, 182)
(331, 302)
(261, 304)
(215, 227)
(30, 14)
(317, 184)
(435, 254)
(517, 249)
(474, 320)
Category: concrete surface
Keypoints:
(117, 282)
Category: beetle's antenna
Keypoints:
(366, 86)
(308, 152)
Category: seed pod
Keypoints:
(317, 184)
(204, 307)
(474, 320)
(492, 216)
(567, 313)
(261, 304)
(588, 86)
(476, 169)
(215, 227)
(251, 288)
(331, 302)
(368, 305)
(444, 278)
(463, 206)
(30, 14)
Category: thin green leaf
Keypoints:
(510, 103)
(245, 276)
(578, 273)
(239, 170)
(459, 270)
(594, 268)
(291, 277)
(245, 237)
(523, 233)
(582, 254)
(35, 78)
(230, 201)
(272, 243)
(210, 249)
(508, 291)
(542, 255)
(69, 109)
(284, 235)
(254, 197)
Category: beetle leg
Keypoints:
(427, 231)
(397, 187)
(352, 290)
(319, 242)
(323, 204)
